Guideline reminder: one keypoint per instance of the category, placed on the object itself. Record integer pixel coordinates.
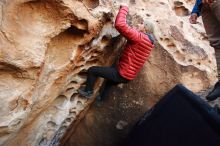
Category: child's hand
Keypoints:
(124, 4)
(193, 18)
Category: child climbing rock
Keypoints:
(137, 50)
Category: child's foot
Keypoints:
(84, 93)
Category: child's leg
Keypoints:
(104, 91)
(109, 73)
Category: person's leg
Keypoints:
(109, 83)
(104, 91)
(217, 55)
(215, 7)
(109, 73)
(93, 73)
(211, 20)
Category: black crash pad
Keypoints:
(180, 118)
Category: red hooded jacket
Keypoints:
(137, 49)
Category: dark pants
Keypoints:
(110, 73)
(211, 20)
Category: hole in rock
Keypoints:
(60, 101)
(8, 67)
(181, 24)
(107, 17)
(73, 82)
(76, 32)
(106, 39)
(184, 50)
(83, 74)
(72, 114)
(171, 45)
(72, 110)
(205, 38)
(178, 3)
(80, 104)
(70, 89)
(51, 124)
(68, 120)
(132, 1)
(91, 3)
(81, 24)
(148, 15)
(83, 83)
(167, 40)
(181, 11)
(73, 96)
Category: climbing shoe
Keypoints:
(215, 93)
(84, 93)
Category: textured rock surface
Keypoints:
(47, 46)
(182, 55)
(127, 103)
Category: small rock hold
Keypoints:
(80, 104)
(120, 86)
(121, 125)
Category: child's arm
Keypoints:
(122, 26)
(196, 9)
(195, 12)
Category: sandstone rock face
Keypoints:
(47, 46)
